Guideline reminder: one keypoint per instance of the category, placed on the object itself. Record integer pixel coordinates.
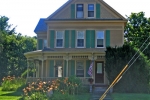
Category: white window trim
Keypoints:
(77, 38)
(83, 67)
(76, 10)
(56, 39)
(94, 10)
(96, 39)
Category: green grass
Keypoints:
(84, 96)
(130, 96)
(10, 95)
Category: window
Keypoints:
(80, 39)
(45, 43)
(90, 10)
(79, 11)
(80, 69)
(59, 39)
(58, 68)
(100, 39)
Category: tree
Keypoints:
(12, 59)
(137, 31)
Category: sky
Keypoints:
(25, 14)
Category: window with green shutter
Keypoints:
(92, 38)
(73, 39)
(88, 39)
(72, 11)
(66, 38)
(51, 65)
(40, 44)
(98, 11)
(52, 35)
(107, 38)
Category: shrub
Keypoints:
(65, 88)
(136, 79)
(12, 83)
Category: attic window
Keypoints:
(79, 12)
(90, 10)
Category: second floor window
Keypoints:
(59, 39)
(80, 39)
(90, 10)
(79, 11)
(99, 38)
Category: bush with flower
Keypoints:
(11, 83)
(65, 88)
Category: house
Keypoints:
(73, 37)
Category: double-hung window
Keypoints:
(99, 39)
(80, 68)
(80, 39)
(59, 39)
(90, 10)
(58, 68)
(45, 43)
(79, 11)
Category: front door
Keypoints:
(99, 72)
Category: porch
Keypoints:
(49, 66)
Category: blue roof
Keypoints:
(41, 26)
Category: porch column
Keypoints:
(67, 58)
(42, 69)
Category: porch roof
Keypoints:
(67, 51)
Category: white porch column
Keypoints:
(67, 58)
(42, 69)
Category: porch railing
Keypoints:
(46, 79)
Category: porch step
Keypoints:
(98, 92)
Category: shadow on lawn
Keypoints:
(18, 92)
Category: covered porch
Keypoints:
(51, 65)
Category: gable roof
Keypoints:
(70, 1)
(63, 6)
(41, 26)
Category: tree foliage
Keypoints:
(137, 31)
(137, 78)
(12, 59)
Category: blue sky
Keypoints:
(25, 14)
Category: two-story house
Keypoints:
(72, 37)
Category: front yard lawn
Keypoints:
(10, 95)
(130, 96)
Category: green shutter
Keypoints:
(92, 38)
(66, 38)
(107, 38)
(72, 11)
(88, 39)
(65, 68)
(52, 35)
(87, 67)
(51, 65)
(73, 39)
(40, 44)
(72, 67)
(98, 11)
